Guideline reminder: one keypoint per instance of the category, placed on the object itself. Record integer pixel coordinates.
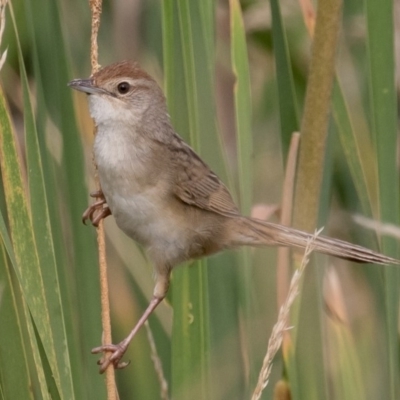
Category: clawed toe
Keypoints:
(97, 211)
(105, 212)
(118, 351)
(98, 194)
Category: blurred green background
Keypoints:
(235, 75)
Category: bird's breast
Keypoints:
(129, 176)
(136, 182)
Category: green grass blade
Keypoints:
(288, 113)
(44, 237)
(191, 336)
(243, 112)
(244, 144)
(48, 391)
(189, 52)
(383, 116)
(27, 262)
(6, 240)
(357, 148)
(67, 193)
(383, 104)
(30, 348)
(15, 380)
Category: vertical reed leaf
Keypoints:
(357, 148)
(15, 378)
(183, 25)
(44, 237)
(383, 118)
(243, 115)
(244, 144)
(66, 180)
(288, 113)
(27, 265)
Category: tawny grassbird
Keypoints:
(163, 195)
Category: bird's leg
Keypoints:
(119, 349)
(98, 210)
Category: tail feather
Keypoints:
(259, 233)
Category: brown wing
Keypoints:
(197, 185)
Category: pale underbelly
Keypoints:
(166, 235)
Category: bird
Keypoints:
(163, 195)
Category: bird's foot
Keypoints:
(117, 350)
(96, 211)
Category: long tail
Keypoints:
(254, 232)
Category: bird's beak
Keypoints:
(86, 86)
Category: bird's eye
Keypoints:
(123, 87)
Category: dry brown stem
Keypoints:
(112, 394)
